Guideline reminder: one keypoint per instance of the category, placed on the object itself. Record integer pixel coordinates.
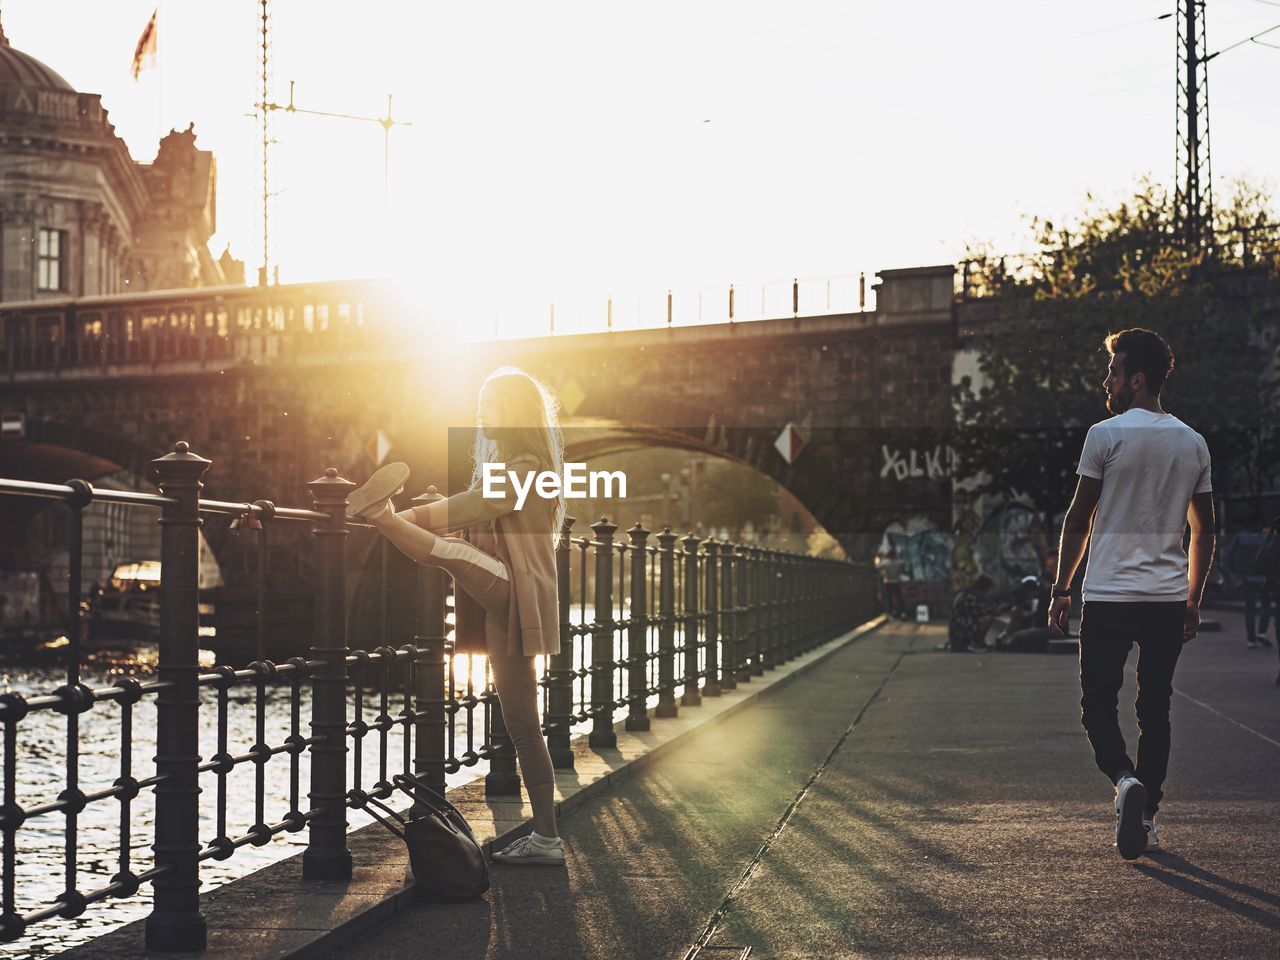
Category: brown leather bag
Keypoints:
(447, 860)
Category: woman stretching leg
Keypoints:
(510, 572)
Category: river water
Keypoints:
(42, 772)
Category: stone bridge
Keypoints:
(273, 386)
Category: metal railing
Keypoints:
(196, 326)
(663, 622)
(852, 293)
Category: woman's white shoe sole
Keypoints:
(386, 482)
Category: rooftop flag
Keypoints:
(145, 54)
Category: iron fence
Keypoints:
(665, 626)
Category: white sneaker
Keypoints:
(1153, 838)
(1131, 800)
(530, 850)
(369, 499)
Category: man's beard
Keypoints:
(1118, 403)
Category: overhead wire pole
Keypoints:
(265, 108)
(264, 272)
(1193, 198)
(386, 123)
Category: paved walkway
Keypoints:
(902, 801)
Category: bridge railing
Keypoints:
(200, 325)
(646, 629)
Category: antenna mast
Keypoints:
(1193, 200)
(265, 271)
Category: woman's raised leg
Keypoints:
(483, 577)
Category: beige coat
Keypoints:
(523, 540)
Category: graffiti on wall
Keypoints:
(934, 463)
(924, 550)
(1007, 542)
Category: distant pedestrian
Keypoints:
(1147, 475)
(891, 573)
(971, 614)
(1246, 558)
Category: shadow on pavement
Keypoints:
(1183, 875)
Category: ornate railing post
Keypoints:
(711, 610)
(689, 622)
(430, 723)
(559, 713)
(768, 593)
(787, 585)
(503, 778)
(741, 611)
(326, 856)
(773, 656)
(602, 655)
(175, 923)
(638, 632)
(667, 628)
(759, 623)
(728, 619)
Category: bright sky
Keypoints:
(562, 150)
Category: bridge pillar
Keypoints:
(327, 856)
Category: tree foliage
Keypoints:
(1041, 366)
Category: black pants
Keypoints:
(1107, 632)
(1257, 596)
(894, 600)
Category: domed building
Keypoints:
(78, 216)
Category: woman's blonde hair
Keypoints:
(530, 411)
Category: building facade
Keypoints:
(78, 216)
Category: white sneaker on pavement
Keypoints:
(531, 849)
(1131, 799)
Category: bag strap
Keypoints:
(365, 805)
(414, 783)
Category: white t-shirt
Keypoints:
(1149, 464)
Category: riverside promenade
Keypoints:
(889, 800)
(901, 801)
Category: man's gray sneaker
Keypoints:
(1131, 800)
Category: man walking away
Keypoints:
(1246, 558)
(1147, 475)
(891, 568)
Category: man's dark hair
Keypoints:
(1145, 352)
(982, 583)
